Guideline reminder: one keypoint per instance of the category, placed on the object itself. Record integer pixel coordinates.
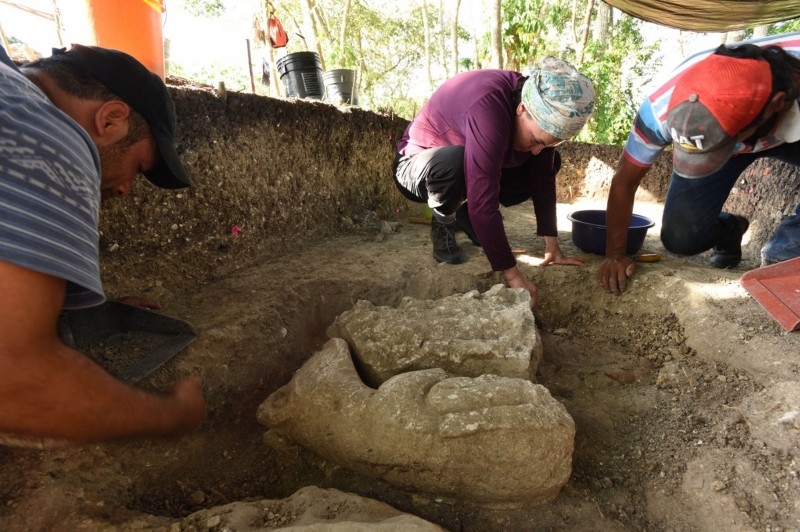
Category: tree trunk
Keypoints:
(320, 22)
(442, 47)
(427, 31)
(310, 30)
(343, 33)
(575, 22)
(585, 38)
(454, 39)
(761, 31)
(601, 24)
(475, 42)
(497, 32)
(319, 16)
(733, 36)
(59, 26)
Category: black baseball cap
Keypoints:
(144, 91)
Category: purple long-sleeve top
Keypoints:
(476, 110)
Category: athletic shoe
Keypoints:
(445, 248)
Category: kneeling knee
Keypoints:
(679, 243)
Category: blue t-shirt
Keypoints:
(49, 189)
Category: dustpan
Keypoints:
(126, 328)
(777, 289)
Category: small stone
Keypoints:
(718, 485)
(113, 247)
(196, 498)
(174, 227)
(388, 227)
(213, 522)
(607, 482)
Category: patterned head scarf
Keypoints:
(558, 97)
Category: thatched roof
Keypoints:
(710, 15)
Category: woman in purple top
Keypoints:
(489, 136)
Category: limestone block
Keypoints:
(468, 334)
(310, 509)
(492, 441)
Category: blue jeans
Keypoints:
(693, 219)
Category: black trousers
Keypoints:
(436, 177)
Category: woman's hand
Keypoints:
(554, 255)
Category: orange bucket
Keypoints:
(132, 26)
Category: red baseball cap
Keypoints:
(712, 102)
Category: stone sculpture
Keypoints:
(493, 441)
(468, 334)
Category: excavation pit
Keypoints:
(671, 385)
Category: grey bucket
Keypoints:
(339, 87)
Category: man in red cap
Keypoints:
(75, 128)
(722, 111)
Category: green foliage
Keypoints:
(787, 26)
(626, 61)
(535, 29)
(204, 8)
(528, 28)
(385, 45)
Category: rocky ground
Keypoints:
(683, 390)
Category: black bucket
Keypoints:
(339, 87)
(301, 73)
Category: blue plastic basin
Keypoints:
(589, 231)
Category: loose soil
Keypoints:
(655, 380)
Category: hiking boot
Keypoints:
(729, 255)
(445, 248)
(465, 224)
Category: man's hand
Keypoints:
(614, 272)
(617, 267)
(553, 254)
(140, 301)
(516, 279)
(48, 390)
(190, 407)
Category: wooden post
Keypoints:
(5, 41)
(250, 68)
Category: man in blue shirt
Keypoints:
(75, 128)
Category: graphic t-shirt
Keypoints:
(650, 134)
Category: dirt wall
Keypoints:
(268, 176)
(587, 169)
(765, 193)
(271, 176)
